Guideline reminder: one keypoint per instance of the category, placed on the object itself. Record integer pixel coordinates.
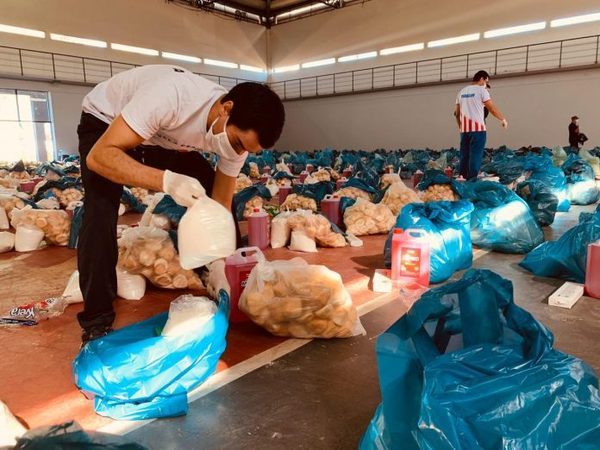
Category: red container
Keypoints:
(410, 257)
(330, 207)
(302, 176)
(340, 183)
(259, 229)
(284, 191)
(389, 169)
(347, 172)
(267, 170)
(237, 270)
(449, 172)
(27, 186)
(417, 177)
(310, 168)
(264, 178)
(592, 271)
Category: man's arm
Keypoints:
(223, 189)
(457, 114)
(496, 112)
(108, 158)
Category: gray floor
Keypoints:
(323, 395)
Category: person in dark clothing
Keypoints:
(574, 135)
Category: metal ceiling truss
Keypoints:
(266, 12)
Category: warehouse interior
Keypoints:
(327, 338)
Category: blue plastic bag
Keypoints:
(566, 258)
(581, 181)
(542, 202)
(447, 227)
(169, 208)
(543, 170)
(134, 373)
(502, 221)
(129, 199)
(466, 368)
(245, 195)
(316, 191)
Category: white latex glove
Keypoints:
(504, 123)
(215, 279)
(184, 190)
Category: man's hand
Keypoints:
(504, 123)
(184, 190)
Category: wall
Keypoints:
(144, 23)
(538, 109)
(66, 108)
(380, 24)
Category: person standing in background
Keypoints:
(574, 135)
(469, 113)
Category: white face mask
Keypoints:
(219, 143)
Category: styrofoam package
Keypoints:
(280, 230)
(73, 292)
(7, 241)
(187, 315)
(130, 287)
(28, 238)
(206, 233)
(4, 223)
(301, 242)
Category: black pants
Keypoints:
(97, 251)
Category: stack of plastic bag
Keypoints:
(467, 368)
(540, 199)
(501, 221)
(581, 181)
(138, 373)
(447, 226)
(566, 257)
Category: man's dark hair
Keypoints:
(256, 107)
(482, 74)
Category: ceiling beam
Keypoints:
(241, 7)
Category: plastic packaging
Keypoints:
(508, 389)
(365, 218)
(398, 195)
(187, 315)
(4, 223)
(33, 313)
(237, 270)
(410, 257)
(280, 230)
(250, 198)
(56, 225)
(28, 238)
(135, 373)
(10, 427)
(316, 227)
(353, 192)
(301, 242)
(330, 207)
(72, 292)
(540, 199)
(130, 286)
(581, 181)
(565, 258)
(206, 233)
(592, 272)
(447, 225)
(295, 299)
(259, 229)
(294, 202)
(7, 241)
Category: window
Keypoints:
(26, 128)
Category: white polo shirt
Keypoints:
(166, 105)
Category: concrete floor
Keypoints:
(323, 395)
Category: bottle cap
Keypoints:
(398, 231)
(256, 210)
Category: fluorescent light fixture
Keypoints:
(454, 40)
(286, 68)
(252, 68)
(178, 57)
(78, 40)
(403, 49)
(575, 20)
(319, 63)
(514, 30)
(216, 62)
(132, 49)
(357, 57)
(302, 10)
(22, 31)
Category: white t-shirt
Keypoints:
(471, 100)
(166, 105)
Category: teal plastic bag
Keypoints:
(466, 368)
(316, 191)
(501, 221)
(135, 373)
(446, 225)
(581, 181)
(566, 257)
(544, 171)
(245, 195)
(540, 199)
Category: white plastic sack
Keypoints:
(152, 202)
(28, 238)
(130, 287)
(10, 427)
(216, 279)
(206, 233)
(48, 203)
(4, 223)
(280, 230)
(187, 315)
(273, 187)
(160, 221)
(72, 292)
(7, 241)
(300, 242)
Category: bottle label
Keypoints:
(410, 262)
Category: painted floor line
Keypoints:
(233, 373)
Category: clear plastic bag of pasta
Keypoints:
(295, 299)
(56, 224)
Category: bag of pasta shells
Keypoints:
(294, 202)
(242, 182)
(439, 193)
(150, 252)
(316, 227)
(398, 196)
(364, 218)
(56, 224)
(354, 193)
(295, 299)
